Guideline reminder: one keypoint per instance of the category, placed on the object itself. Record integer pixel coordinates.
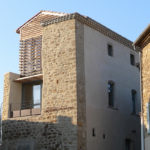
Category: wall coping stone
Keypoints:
(93, 24)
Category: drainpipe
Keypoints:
(141, 93)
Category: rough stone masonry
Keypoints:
(61, 124)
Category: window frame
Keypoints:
(132, 59)
(148, 117)
(93, 132)
(110, 50)
(134, 100)
(111, 94)
(128, 144)
(32, 83)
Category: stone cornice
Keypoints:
(145, 41)
(93, 24)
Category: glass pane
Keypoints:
(36, 96)
(133, 101)
(132, 60)
(27, 99)
(110, 94)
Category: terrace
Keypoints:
(31, 97)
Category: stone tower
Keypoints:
(50, 70)
(70, 93)
(142, 44)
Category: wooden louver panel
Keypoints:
(30, 56)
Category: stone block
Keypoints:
(16, 113)
(36, 111)
(26, 112)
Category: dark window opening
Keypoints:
(93, 132)
(111, 93)
(104, 136)
(133, 93)
(128, 144)
(132, 59)
(31, 95)
(110, 50)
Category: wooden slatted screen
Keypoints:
(30, 56)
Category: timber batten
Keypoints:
(29, 78)
(30, 56)
(30, 62)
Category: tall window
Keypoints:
(110, 50)
(132, 59)
(93, 132)
(133, 93)
(111, 93)
(128, 144)
(36, 95)
(148, 117)
(31, 97)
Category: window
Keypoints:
(148, 117)
(111, 93)
(110, 50)
(132, 59)
(31, 96)
(104, 136)
(93, 132)
(128, 144)
(36, 95)
(133, 93)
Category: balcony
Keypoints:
(25, 109)
(29, 98)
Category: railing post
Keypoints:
(10, 112)
(31, 105)
(20, 111)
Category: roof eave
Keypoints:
(18, 29)
(142, 36)
(93, 24)
(44, 12)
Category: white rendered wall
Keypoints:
(117, 124)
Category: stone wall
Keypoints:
(81, 98)
(12, 91)
(62, 118)
(59, 75)
(37, 134)
(145, 81)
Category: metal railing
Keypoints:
(24, 109)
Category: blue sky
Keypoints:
(128, 18)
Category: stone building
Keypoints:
(78, 87)
(143, 45)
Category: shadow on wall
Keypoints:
(25, 135)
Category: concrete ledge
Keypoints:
(26, 112)
(36, 111)
(29, 78)
(16, 113)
